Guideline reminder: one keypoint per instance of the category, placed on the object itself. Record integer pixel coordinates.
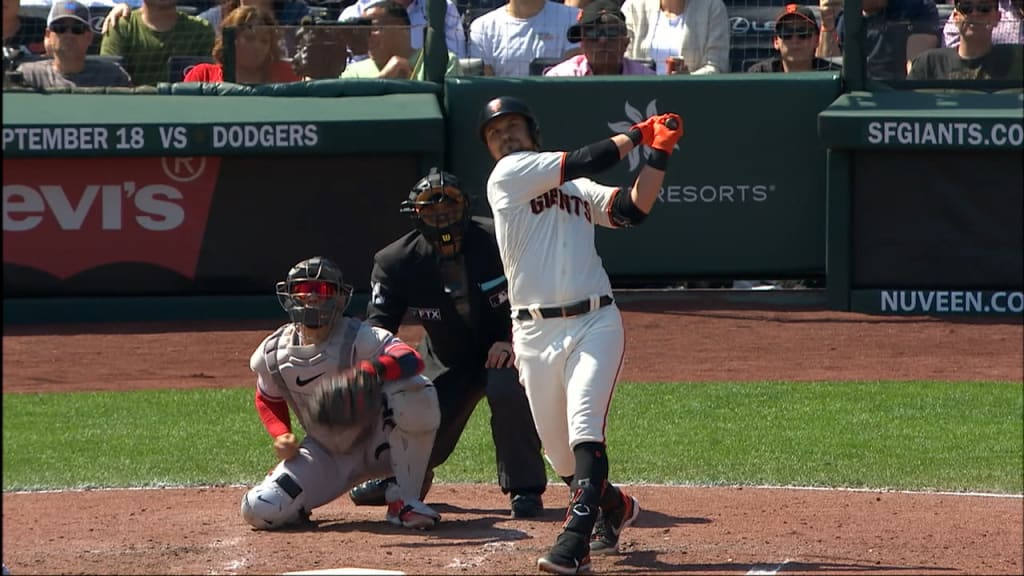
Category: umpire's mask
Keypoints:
(441, 211)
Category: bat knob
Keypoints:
(671, 124)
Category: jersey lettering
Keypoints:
(567, 202)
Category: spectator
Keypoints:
(147, 37)
(390, 47)
(257, 51)
(1009, 29)
(216, 14)
(287, 12)
(796, 39)
(975, 57)
(450, 263)
(69, 34)
(694, 32)
(455, 34)
(896, 31)
(320, 51)
(23, 35)
(602, 34)
(509, 37)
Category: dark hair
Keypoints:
(250, 16)
(392, 9)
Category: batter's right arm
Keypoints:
(668, 129)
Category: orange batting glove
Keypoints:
(668, 129)
(646, 129)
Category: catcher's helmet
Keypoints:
(440, 209)
(314, 292)
(503, 105)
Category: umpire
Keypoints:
(448, 275)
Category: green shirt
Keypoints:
(145, 51)
(367, 68)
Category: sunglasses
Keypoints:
(603, 32)
(76, 28)
(966, 8)
(802, 34)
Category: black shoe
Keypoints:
(527, 505)
(371, 492)
(609, 526)
(569, 555)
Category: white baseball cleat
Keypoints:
(416, 515)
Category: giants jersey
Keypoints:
(304, 369)
(545, 229)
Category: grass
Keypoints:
(906, 435)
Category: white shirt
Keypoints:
(454, 33)
(545, 230)
(508, 44)
(664, 39)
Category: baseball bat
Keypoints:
(671, 124)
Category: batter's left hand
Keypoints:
(500, 356)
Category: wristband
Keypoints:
(658, 159)
(636, 136)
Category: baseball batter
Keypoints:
(566, 331)
(392, 437)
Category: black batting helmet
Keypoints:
(440, 209)
(503, 105)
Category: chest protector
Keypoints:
(301, 371)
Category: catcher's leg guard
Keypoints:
(412, 418)
(274, 503)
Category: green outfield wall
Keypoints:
(909, 202)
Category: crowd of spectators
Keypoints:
(288, 40)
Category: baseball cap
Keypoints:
(796, 12)
(597, 12)
(68, 9)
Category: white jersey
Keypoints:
(509, 44)
(304, 368)
(545, 230)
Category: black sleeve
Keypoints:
(591, 159)
(387, 305)
(624, 212)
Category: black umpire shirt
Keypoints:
(407, 277)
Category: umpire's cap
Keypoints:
(503, 105)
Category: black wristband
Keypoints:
(636, 136)
(658, 159)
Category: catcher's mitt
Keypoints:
(350, 398)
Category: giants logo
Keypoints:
(69, 215)
(555, 197)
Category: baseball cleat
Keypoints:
(416, 517)
(569, 555)
(609, 526)
(527, 505)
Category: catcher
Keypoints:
(359, 395)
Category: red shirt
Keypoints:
(279, 72)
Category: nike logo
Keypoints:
(262, 499)
(300, 382)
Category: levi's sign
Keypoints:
(65, 216)
(159, 140)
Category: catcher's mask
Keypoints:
(314, 292)
(441, 211)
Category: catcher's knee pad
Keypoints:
(274, 503)
(413, 416)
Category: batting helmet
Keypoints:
(503, 105)
(440, 209)
(314, 292)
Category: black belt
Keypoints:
(574, 309)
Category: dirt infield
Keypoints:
(682, 530)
